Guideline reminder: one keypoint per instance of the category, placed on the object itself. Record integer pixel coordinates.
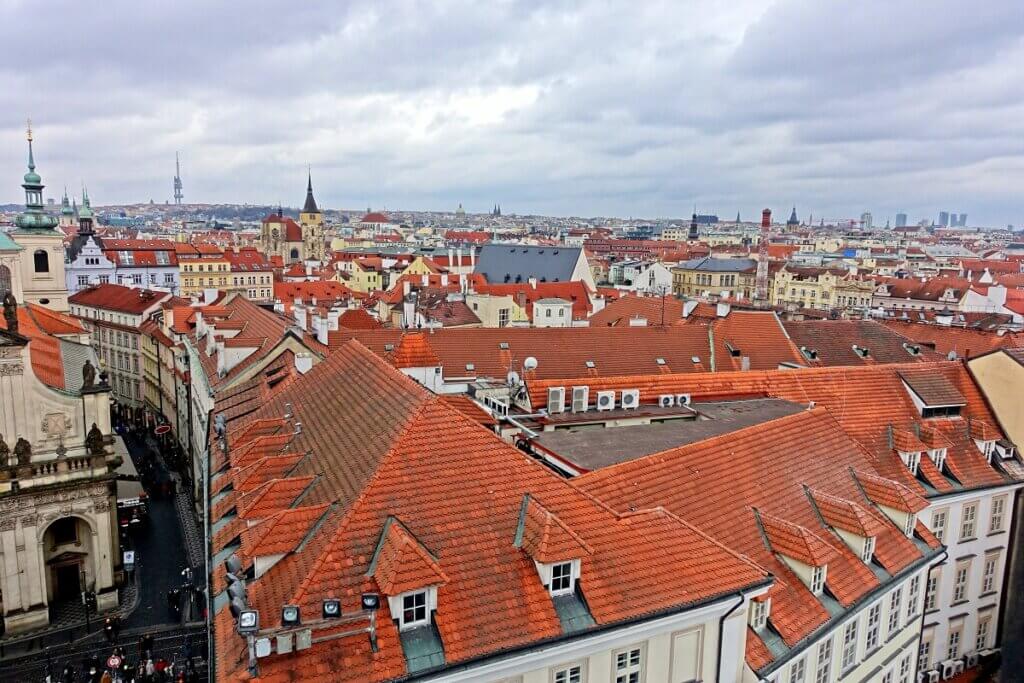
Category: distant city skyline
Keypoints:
(593, 109)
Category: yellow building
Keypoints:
(204, 272)
(366, 275)
(714, 276)
(822, 288)
(421, 265)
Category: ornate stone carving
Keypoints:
(30, 520)
(23, 452)
(7, 523)
(12, 369)
(56, 424)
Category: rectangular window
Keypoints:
(939, 524)
(895, 607)
(561, 578)
(572, 673)
(874, 626)
(824, 662)
(932, 590)
(869, 549)
(798, 671)
(905, 672)
(758, 614)
(988, 573)
(83, 280)
(960, 581)
(817, 579)
(924, 655)
(968, 522)
(849, 646)
(995, 523)
(887, 677)
(136, 278)
(629, 665)
(981, 640)
(953, 651)
(909, 528)
(414, 609)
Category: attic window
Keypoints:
(940, 411)
(414, 609)
(503, 346)
(659, 361)
(912, 349)
(912, 460)
(561, 578)
(817, 579)
(868, 551)
(908, 527)
(733, 351)
(590, 364)
(938, 456)
(809, 354)
(470, 367)
(759, 613)
(389, 347)
(861, 351)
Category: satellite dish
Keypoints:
(530, 363)
(513, 378)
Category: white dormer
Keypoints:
(560, 578)
(867, 551)
(912, 459)
(817, 579)
(759, 613)
(987, 448)
(938, 456)
(413, 608)
(908, 526)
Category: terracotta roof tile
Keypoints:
(847, 515)
(401, 563)
(796, 542)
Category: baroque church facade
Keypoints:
(58, 505)
(295, 241)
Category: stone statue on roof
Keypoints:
(94, 441)
(11, 313)
(23, 451)
(5, 451)
(88, 375)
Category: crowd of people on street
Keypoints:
(117, 668)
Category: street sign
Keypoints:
(162, 429)
(129, 559)
(113, 662)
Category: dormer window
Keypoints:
(817, 582)
(414, 609)
(759, 611)
(561, 578)
(912, 460)
(911, 522)
(861, 351)
(938, 456)
(868, 551)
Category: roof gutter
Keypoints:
(721, 633)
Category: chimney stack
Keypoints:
(766, 218)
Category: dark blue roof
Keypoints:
(510, 263)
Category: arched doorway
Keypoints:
(295, 254)
(68, 553)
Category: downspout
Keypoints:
(721, 633)
(920, 630)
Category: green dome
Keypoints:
(31, 220)
(85, 212)
(32, 178)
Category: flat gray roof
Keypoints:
(593, 447)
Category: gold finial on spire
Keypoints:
(30, 130)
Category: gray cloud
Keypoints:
(585, 108)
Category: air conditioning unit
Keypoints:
(631, 399)
(580, 398)
(958, 667)
(683, 399)
(971, 660)
(666, 400)
(933, 675)
(947, 669)
(605, 400)
(556, 400)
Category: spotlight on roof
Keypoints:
(331, 608)
(290, 615)
(370, 601)
(248, 621)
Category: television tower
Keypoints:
(178, 196)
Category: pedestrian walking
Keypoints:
(146, 646)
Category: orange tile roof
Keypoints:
(796, 542)
(280, 532)
(401, 563)
(117, 298)
(384, 447)
(44, 348)
(890, 493)
(833, 341)
(414, 351)
(545, 537)
(847, 515)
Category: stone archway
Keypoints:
(68, 554)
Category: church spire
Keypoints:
(310, 205)
(34, 217)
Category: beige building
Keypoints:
(715, 277)
(1000, 374)
(823, 288)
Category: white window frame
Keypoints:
(961, 581)
(954, 643)
(873, 632)
(997, 515)
(563, 672)
(895, 611)
(984, 631)
(639, 667)
(817, 582)
(969, 521)
(569, 577)
(989, 569)
(908, 528)
(849, 657)
(931, 589)
(798, 671)
(413, 595)
(939, 520)
(905, 669)
(824, 670)
(924, 655)
(868, 550)
(759, 613)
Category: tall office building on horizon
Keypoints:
(901, 220)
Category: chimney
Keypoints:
(688, 308)
(299, 313)
(766, 218)
(303, 362)
(426, 280)
(332, 319)
(458, 257)
(444, 279)
(722, 309)
(406, 287)
(533, 283)
(745, 363)
(472, 259)
(451, 258)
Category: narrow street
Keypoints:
(161, 559)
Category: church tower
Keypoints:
(312, 222)
(42, 246)
(67, 214)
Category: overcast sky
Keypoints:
(577, 108)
